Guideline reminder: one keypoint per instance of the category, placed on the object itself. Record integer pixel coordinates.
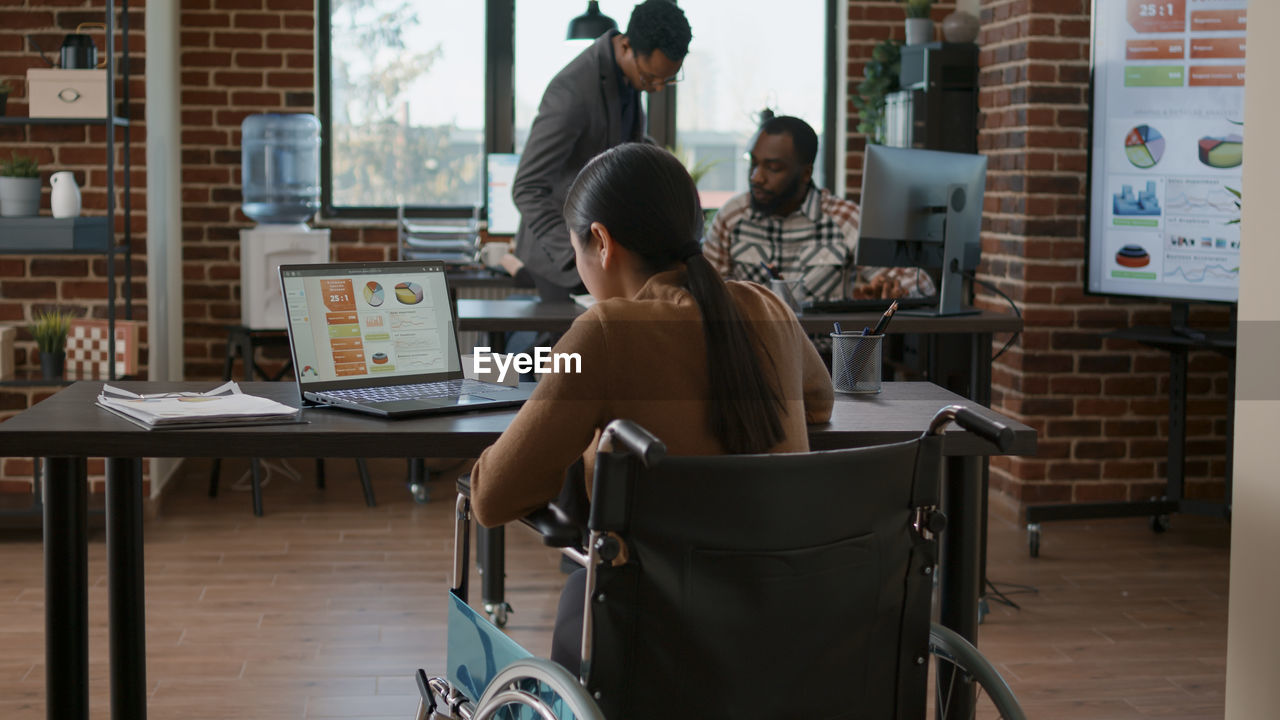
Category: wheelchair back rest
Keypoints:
(766, 586)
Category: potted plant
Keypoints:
(881, 78)
(19, 186)
(5, 89)
(50, 332)
(919, 24)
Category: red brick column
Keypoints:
(1100, 405)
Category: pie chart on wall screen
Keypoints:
(1144, 145)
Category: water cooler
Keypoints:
(280, 174)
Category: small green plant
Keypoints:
(20, 166)
(50, 330)
(881, 78)
(918, 8)
(5, 87)
(697, 170)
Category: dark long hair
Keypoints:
(647, 200)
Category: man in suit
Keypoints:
(592, 105)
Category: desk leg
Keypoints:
(125, 589)
(960, 543)
(66, 589)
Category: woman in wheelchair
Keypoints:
(710, 367)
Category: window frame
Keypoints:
(499, 112)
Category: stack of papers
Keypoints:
(224, 405)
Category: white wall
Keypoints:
(164, 210)
(1253, 634)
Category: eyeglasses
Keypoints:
(651, 80)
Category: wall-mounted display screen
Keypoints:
(1167, 142)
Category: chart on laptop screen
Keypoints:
(380, 322)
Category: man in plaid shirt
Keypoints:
(797, 230)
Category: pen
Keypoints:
(884, 319)
(838, 330)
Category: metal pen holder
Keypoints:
(789, 291)
(855, 362)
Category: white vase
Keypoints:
(65, 197)
(919, 31)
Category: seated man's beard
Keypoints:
(776, 200)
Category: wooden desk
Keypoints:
(67, 428)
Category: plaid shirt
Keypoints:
(814, 244)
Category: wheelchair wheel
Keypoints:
(541, 686)
(957, 663)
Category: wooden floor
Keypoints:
(323, 608)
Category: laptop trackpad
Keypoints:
(468, 400)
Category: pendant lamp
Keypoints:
(591, 24)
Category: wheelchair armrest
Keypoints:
(634, 439)
(555, 527)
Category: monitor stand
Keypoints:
(951, 286)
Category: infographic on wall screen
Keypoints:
(1168, 142)
(370, 324)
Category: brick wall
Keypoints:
(72, 282)
(1100, 405)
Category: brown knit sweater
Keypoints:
(643, 359)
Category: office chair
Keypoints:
(747, 586)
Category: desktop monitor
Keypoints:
(503, 215)
(923, 208)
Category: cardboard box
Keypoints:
(8, 334)
(66, 93)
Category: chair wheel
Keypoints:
(498, 613)
(1159, 523)
(420, 492)
(1033, 539)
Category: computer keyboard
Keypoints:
(417, 391)
(867, 305)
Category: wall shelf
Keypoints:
(47, 235)
(116, 121)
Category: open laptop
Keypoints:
(380, 338)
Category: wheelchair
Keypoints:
(740, 586)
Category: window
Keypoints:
(411, 98)
(738, 65)
(406, 111)
(542, 51)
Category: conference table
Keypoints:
(68, 428)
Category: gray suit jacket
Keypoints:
(579, 118)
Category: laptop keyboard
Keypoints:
(419, 391)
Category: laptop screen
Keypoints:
(362, 324)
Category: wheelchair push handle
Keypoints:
(994, 431)
(627, 436)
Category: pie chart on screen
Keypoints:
(1144, 145)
